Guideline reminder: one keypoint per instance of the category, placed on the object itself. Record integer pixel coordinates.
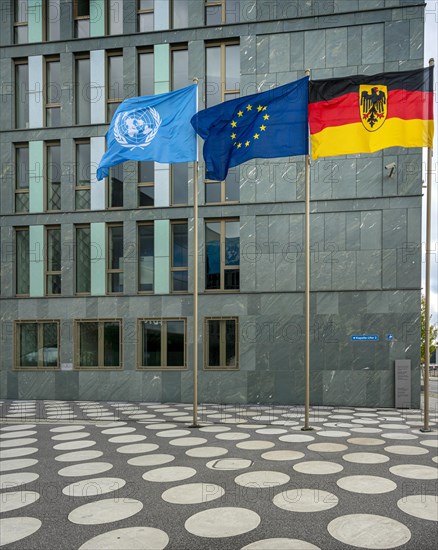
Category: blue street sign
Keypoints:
(365, 337)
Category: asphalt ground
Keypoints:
(251, 509)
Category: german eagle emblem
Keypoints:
(373, 101)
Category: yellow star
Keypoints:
(240, 113)
(233, 136)
(256, 136)
(249, 107)
(259, 108)
(266, 117)
(233, 124)
(264, 108)
(262, 127)
(246, 143)
(239, 145)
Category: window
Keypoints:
(53, 177)
(179, 183)
(22, 267)
(115, 259)
(82, 176)
(115, 186)
(162, 344)
(115, 17)
(53, 19)
(21, 94)
(146, 258)
(146, 73)
(145, 15)
(53, 260)
(81, 10)
(218, 12)
(180, 14)
(223, 254)
(83, 90)
(222, 73)
(223, 191)
(98, 344)
(180, 257)
(22, 178)
(53, 92)
(37, 344)
(146, 184)
(20, 23)
(83, 259)
(221, 343)
(114, 82)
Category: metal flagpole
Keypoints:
(307, 426)
(195, 288)
(426, 426)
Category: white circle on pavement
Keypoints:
(13, 500)
(129, 538)
(296, 438)
(169, 473)
(85, 469)
(399, 435)
(420, 506)
(406, 450)
(282, 455)
(271, 431)
(8, 443)
(74, 445)
(305, 500)
(77, 456)
(368, 485)
(432, 443)
(414, 471)
(366, 430)
(94, 487)
(222, 522)
(280, 544)
(318, 467)
(207, 452)
(70, 436)
(369, 531)
(118, 431)
(334, 433)
(104, 511)
(16, 427)
(66, 429)
(193, 493)
(173, 433)
(17, 464)
(187, 441)
(232, 436)
(255, 445)
(137, 448)
(14, 529)
(215, 429)
(13, 435)
(229, 464)
(135, 438)
(327, 447)
(262, 479)
(16, 452)
(7, 481)
(366, 458)
(367, 441)
(151, 460)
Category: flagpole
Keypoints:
(195, 286)
(307, 426)
(426, 426)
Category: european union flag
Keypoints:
(152, 128)
(266, 125)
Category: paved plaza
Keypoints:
(85, 475)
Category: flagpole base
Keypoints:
(426, 431)
(194, 425)
(307, 429)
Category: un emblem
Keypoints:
(137, 128)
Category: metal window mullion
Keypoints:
(164, 343)
(223, 72)
(222, 350)
(40, 344)
(100, 344)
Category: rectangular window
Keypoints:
(222, 238)
(221, 343)
(53, 177)
(22, 178)
(146, 190)
(83, 90)
(222, 73)
(218, 12)
(83, 176)
(114, 82)
(115, 259)
(146, 72)
(22, 267)
(180, 14)
(115, 17)
(53, 19)
(53, 260)
(83, 259)
(146, 15)
(53, 92)
(98, 344)
(179, 256)
(21, 94)
(81, 13)
(162, 344)
(20, 22)
(217, 192)
(37, 344)
(115, 186)
(146, 257)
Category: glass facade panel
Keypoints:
(53, 261)
(213, 260)
(180, 183)
(232, 64)
(115, 17)
(53, 20)
(175, 343)
(89, 344)
(213, 15)
(53, 82)
(53, 176)
(232, 11)
(146, 73)
(83, 91)
(37, 345)
(180, 69)
(22, 95)
(83, 260)
(180, 253)
(213, 77)
(28, 345)
(22, 261)
(145, 258)
(83, 166)
(111, 344)
(151, 349)
(116, 186)
(50, 345)
(213, 192)
(180, 14)
(213, 343)
(230, 343)
(146, 196)
(22, 179)
(20, 28)
(115, 259)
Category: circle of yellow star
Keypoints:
(256, 136)
(262, 127)
(246, 143)
(249, 107)
(240, 113)
(266, 117)
(233, 136)
(259, 108)
(233, 123)
(239, 145)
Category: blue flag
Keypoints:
(266, 125)
(152, 128)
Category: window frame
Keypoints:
(16, 230)
(178, 269)
(100, 344)
(47, 105)
(40, 340)
(77, 91)
(223, 267)
(50, 273)
(76, 227)
(17, 190)
(143, 224)
(223, 189)
(145, 11)
(108, 270)
(22, 61)
(46, 21)
(141, 184)
(83, 141)
(172, 17)
(222, 344)
(144, 51)
(79, 18)
(47, 145)
(223, 68)
(108, 18)
(114, 101)
(163, 344)
(17, 24)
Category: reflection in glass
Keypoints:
(175, 343)
(146, 258)
(151, 349)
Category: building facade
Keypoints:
(97, 277)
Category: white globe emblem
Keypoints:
(137, 128)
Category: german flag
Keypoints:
(363, 114)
